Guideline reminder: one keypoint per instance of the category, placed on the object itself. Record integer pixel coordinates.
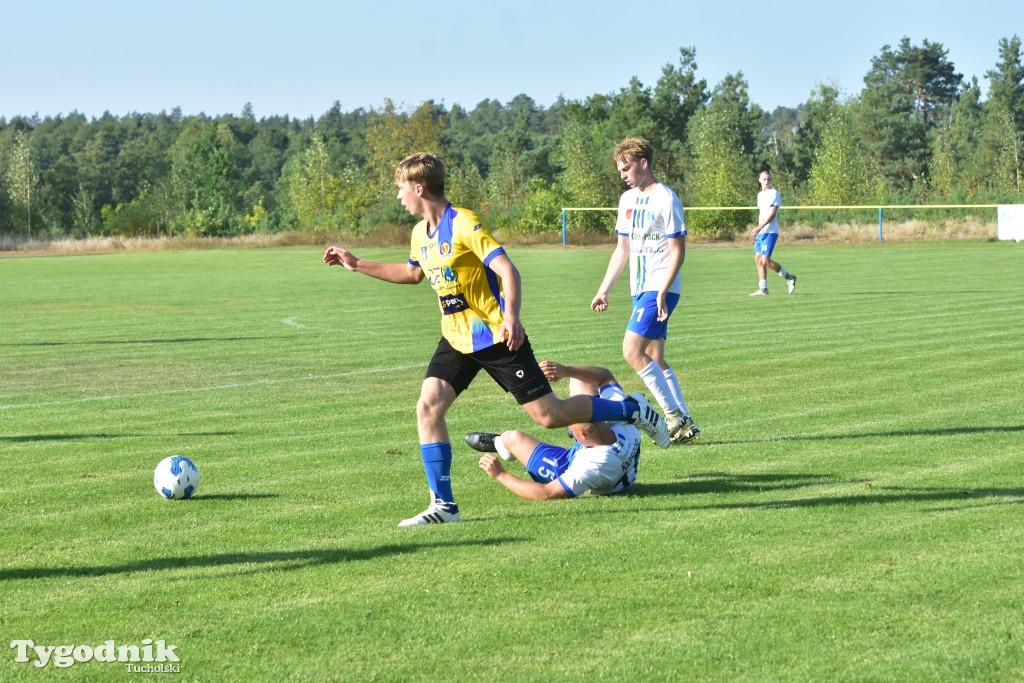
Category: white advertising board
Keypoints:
(1011, 222)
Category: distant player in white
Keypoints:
(766, 234)
(603, 459)
(652, 238)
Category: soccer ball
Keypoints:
(176, 477)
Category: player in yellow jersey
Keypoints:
(478, 289)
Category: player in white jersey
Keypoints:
(602, 460)
(766, 234)
(652, 238)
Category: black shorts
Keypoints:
(516, 372)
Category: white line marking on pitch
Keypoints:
(219, 387)
(293, 321)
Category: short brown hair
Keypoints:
(634, 148)
(429, 170)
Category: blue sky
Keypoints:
(299, 57)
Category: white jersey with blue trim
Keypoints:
(604, 469)
(649, 220)
(766, 199)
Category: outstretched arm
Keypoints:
(591, 374)
(531, 490)
(399, 273)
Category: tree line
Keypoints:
(918, 132)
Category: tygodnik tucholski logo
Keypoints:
(153, 656)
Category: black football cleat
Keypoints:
(482, 441)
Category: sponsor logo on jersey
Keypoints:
(453, 303)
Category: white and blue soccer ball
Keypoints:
(176, 477)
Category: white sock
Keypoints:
(654, 378)
(676, 390)
(782, 272)
(503, 452)
(762, 284)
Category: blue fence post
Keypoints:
(879, 224)
(563, 227)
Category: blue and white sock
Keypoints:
(437, 461)
(606, 410)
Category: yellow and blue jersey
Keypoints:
(455, 260)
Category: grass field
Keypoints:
(853, 511)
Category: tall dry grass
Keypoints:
(398, 236)
(906, 231)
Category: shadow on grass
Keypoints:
(928, 294)
(264, 561)
(899, 433)
(26, 438)
(724, 483)
(880, 495)
(199, 498)
(170, 340)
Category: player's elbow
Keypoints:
(542, 492)
(553, 491)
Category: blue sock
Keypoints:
(606, 410)
(437, 460)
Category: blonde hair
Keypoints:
(634, 148)
(429, 170)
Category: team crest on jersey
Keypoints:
(445, 248)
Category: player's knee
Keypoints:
(546, 411)
(429, 411)
(513, 439)
(636, 359)
(548, 420)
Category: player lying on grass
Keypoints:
(479, 296)
(603, 459)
